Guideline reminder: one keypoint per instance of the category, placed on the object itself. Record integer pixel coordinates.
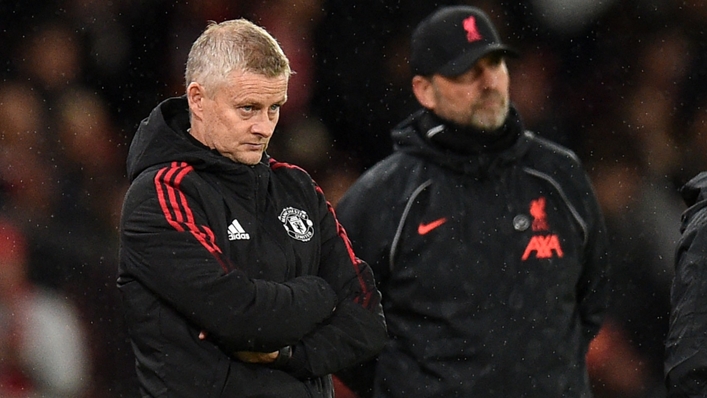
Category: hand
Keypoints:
(250, 356)
(257, 357)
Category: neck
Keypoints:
(468, 140)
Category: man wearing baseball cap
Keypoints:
(486, 240)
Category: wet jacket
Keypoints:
(686, 350)
(493, 265)
(253, 255)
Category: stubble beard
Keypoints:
(490, 117)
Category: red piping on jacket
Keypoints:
(177, 211)
(355, 261)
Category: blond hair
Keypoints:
(235, 45)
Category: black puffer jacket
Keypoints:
(253, 255)
(686, 345)
(493, 266)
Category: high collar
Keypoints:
(163, 137)
(475, 158)
(466, 140)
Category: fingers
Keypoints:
(257, 357)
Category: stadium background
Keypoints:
(621, 82)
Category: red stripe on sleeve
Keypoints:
(176, 209)
(355, 261)
(172, 193)
(163, 202)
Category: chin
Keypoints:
(248, 160)
(489, 123)
(485, 126)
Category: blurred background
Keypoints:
(620, 82)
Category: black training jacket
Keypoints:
(493, 267)
(686, 345)
(253, 255)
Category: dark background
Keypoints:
(621, 83)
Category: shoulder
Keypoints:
(550, 151)
(174, 174)
(161, 183)
(552, 159)
(284, 167)
(562, 168)
(694, 226)
(290, 172)
(394, 170)
(295, 182)
(387, 183)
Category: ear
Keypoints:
(196, 97)
(423, 90)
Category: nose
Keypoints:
(490, 77)
(264, 125)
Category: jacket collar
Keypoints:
(477, 159)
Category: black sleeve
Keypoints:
(593, 287)
(356, 331)
(169, 248)
(368, 220)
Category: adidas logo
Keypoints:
(236, 232)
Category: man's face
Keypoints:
(478, 98)
(239, 118)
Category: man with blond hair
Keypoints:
(237, 279)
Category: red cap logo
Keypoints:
(472, 33)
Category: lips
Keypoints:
(255, 147)
(492, 100)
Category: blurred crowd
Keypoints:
(620, 82)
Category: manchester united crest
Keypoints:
(297, 224)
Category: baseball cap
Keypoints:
(450, 41)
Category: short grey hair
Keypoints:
(234, 45)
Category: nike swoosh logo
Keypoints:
(424, 229)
